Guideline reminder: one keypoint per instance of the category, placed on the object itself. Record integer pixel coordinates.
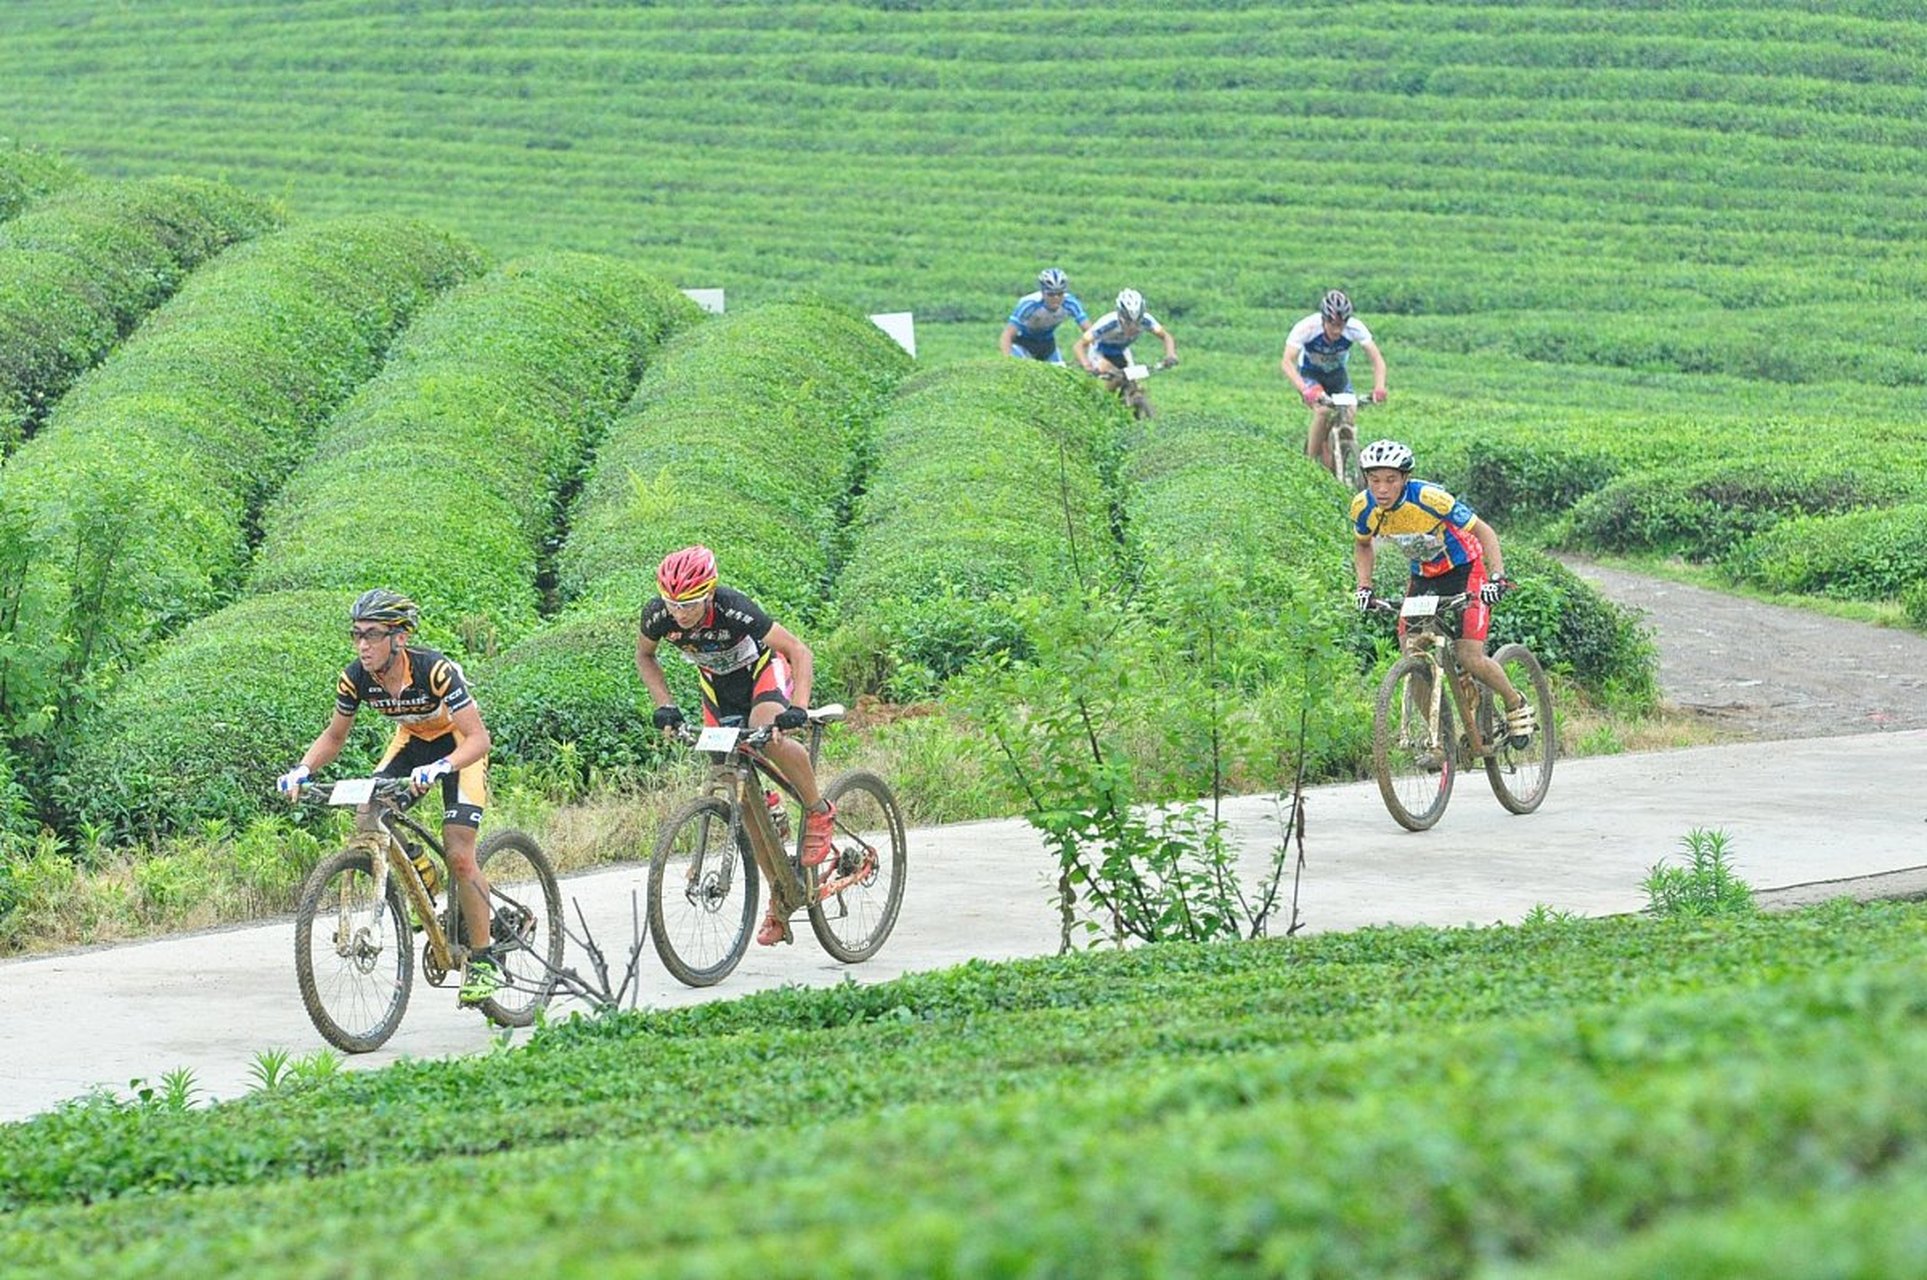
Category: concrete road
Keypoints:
(1798, 813)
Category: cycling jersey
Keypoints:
(426, 705)
(1320, 358)
(1112, 335)
(1031, 318)
(735, 669)
(424, 715)
(1432, 528)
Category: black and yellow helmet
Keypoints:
(389, 608)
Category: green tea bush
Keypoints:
(1873, 554)
(202, 728)
(82, 267)
(441, 478)
(128, 514)
(1705, 510)
(988, 487)
(28, 174)
(747, 436)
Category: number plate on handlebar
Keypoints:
(353, 791)
(1344, 399)
(1419, 607)
(1136, 372)
(718, 737)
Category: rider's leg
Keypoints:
(470, 884)
(791, 758)
(1475, 662)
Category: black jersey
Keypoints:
(426, 706)
(729, 637)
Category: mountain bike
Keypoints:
(704, 876)
(354, 953)
(1128, 382)
(1416, 751)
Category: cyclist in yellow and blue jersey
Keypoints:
(1451, 551)
(439, 737)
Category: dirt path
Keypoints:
(1765, 671)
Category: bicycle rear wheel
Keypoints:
(857, 892)
(1412, 756)
(1520, 776)
(353, 956)
(525, 925)
(702, 894)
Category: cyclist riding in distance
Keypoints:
(1316, 362)
(749, 667)
(1450, 549)
(1031, 331)
(1105, 347)
(439, 737)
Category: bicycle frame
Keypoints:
(446, 953)
(1426, 637)
(738, 777)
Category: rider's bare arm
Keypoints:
(1489, 544)
(650, 669)
(1081, 350)
(474, 743)
(1364, 556)
(322, 752)
(1004, 339)
(1170, 344)
(802, 662)
(1288, 365)
(1378, 369)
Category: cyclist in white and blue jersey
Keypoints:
(1315, 362)
(1106, 345)
(1031, 331)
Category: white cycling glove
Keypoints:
(426, 775)
(289, 783)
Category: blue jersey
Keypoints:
(1113, 335)
(1032, 318)
(1320, 357)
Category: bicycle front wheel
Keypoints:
(1412, 751)
(524, 925)
(857, 892)
(1520, 776)
(353, 956)
(702, 894)
(1345, 450)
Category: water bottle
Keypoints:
(425, 867)
(778, 815)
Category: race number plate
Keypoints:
(1137, 372)
(717, 738)
(353, 791)
(1419, 607)
(1344, 399)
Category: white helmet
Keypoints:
(1385, 453)
(1130, 304)
(1051, 280)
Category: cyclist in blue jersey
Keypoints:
(1315, 362)
(1031, 331)
(1105, 347)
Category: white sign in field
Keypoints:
(899, 325)
(710, 300)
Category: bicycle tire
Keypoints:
(1345, 449)
(1521, 776)
(702, 898)
(1414, 769)
(359, 966)
(853, 923)
(525, 925)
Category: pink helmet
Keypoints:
(688, 574)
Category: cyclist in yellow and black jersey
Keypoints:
(439, 737)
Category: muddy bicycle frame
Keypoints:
(738, 772)
(383, 794)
